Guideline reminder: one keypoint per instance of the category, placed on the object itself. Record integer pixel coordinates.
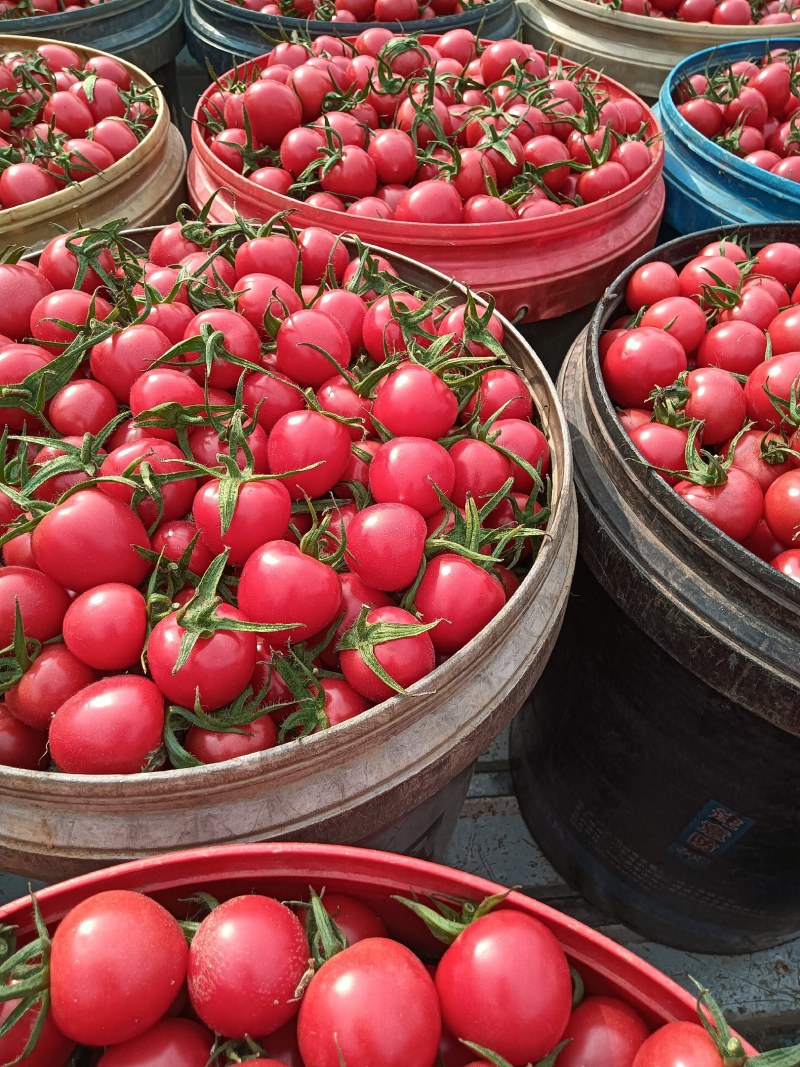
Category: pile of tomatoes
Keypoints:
(251, 485)
(751, 108)
(325, 983)
(64, 119)
(716, 12)
(455, 131)
(359, 10)
(705, 369)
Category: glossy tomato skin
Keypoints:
(603, 1032)
(251, 943)
(405, 660)
(281, 584)
(405, 470)
(53, 677)
(639, 361)
(105, 626)
(112, 726)
(462, 595)
(734, 507)
(261, 514)
(305, 438)
(218, 667)
(170, 1043)
(782, 508)
(479, 988)
(42, 601)
(338, 1022)
(678, 1044)
(385, 545)
(118, 962)
(89, 539)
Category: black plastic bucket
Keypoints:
(227, 34)
(657, 764)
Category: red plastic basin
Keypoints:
(535, 268)
(287, 870)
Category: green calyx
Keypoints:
(364, 637)
(446, 922)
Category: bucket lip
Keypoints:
(559, 226)
(256, 19)
(79, 194)
(676, 126)
(65, 20)
(686, 517)
(149, 785)
(706, 33)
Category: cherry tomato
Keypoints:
(117, 962)
(253, 943)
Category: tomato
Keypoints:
(261, 514)
(662, 446)
(112, 726)
(253, 944)
(211, 746)
(638, 362)
(412, 401)
(705, 273)
(354, 918)
(20, 746)
(676, 1044)
(117, 962)
(310, 345)
(462, 595)
(22, 183)
(280, 584)
(338, 1023)
(321, 252)
(52, 1048)
(164, 385)
(68, 305)
(405, 659)
(308, 439)
(16, 363)
(385, 544)
(60, 265)
(21, 289)
(408, 470)
(42, 602)
(479, 991)
(105, 627)
(54, 676)
(716, 398)
(603, 1032)
(430, 202)
(162, 458)
(734, 507)
(737, 346)
(90, 539)
(787, 563)
(259, 294)
(681, 317)
(782, 507)
(777, 375)
(170, 1043)
(526, 442)
(217, 669)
